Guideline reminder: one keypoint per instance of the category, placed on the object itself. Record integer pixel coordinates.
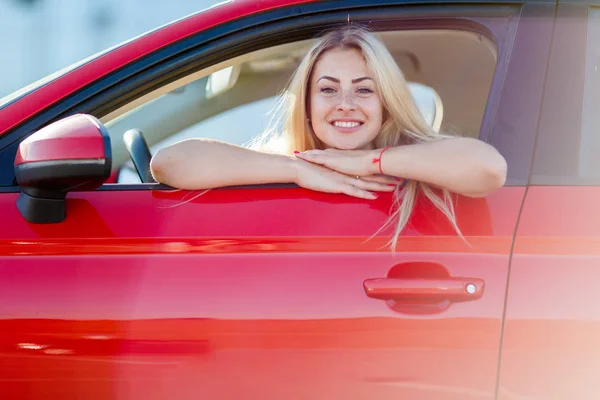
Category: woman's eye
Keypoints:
(364, 91)
(327, 90)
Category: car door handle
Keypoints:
(437, 289)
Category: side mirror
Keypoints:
(70, 154)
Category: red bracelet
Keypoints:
(378, 159)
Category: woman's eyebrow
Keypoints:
(364, 78)
(329, 78)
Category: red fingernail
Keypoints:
(376, 195)
(296, 152)
(392, 184)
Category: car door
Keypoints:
(275, 291)
(550, 348)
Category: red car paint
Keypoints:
(144, 296)
(552, 313)
(50, 142)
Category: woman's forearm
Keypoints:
(205, 164)
(462, 165)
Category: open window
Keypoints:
(449, 73)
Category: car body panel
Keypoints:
(550, 348)
(153, 289)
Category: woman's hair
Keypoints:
(403, 123)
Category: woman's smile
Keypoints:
(347, 125)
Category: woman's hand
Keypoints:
(466, 166)
(349, 162)
(316, 177)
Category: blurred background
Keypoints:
(39, 37)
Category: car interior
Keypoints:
(449, 73)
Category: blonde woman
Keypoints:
(348, 124)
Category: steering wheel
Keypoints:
(140, 154)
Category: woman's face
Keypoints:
(346, 111)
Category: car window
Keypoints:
(228, 102)
(237, 126)
(231, 102)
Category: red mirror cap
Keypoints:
(78, 137)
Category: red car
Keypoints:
(121, 290)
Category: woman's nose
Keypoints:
(347, 102)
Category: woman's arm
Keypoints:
(205, 164)
(462, 165)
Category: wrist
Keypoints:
(290, 168)
(380, 164)
(370, 168)
(373, 161)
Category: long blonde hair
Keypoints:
(403, 124)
